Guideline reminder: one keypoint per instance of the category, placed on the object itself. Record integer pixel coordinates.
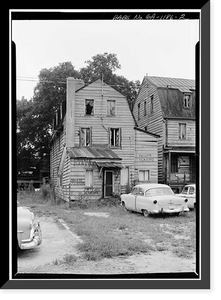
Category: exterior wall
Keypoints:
(153, 120)
(146, 156)
(78, 191)
(173, 133)
(137, 149)
(101, 122)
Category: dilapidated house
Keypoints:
(166, 106)
(97, 150)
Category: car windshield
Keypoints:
(159, 192)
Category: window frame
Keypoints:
(145, 180)
(108, 113)
(110, 129)
(92, 181)
(151, 104)
(80, 136)
(182, 125)
(85, 109)
(187, 102)
(138, 111)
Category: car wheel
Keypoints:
(145, 213)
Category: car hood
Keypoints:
(24, 213)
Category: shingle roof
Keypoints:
(184, 85)
(92, 152)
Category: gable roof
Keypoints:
(184, 85)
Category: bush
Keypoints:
(45, 191)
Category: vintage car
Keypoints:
(28, 230)
(154, 199)
(189, 192)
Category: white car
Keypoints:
(28, 231)
(189, 192)
(154, 198)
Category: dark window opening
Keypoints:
(89, 107)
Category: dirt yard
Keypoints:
(58, 252)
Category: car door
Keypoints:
(141, 202)
(131, 199)
(191, 196)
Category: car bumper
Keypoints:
(33, 242)
(170, 211)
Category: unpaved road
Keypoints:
(59, 241)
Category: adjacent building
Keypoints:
(97, 150)
(166, 107)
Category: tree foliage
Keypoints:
(34, 117)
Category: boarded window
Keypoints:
(114, 137)
(85, 137)
(111, 108)
(182, 131)
(89, 107)
(144, 175)
(89, 178)
(125, 176)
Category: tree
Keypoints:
(104, 66)
(34, 117)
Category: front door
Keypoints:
(108, 183)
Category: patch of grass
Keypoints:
(68, 259)
(122, 233)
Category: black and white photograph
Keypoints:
(107, 144)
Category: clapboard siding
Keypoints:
(173, 133)
(146, 156)
(100, 121)
(68, 176)
(152, 121)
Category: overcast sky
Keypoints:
(153, 47)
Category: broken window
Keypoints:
(85, 137)
(111, 107)
(114, 137)
(186, 101)
(89, 107)
(182, 131)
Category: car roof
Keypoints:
(147, 186)
(192, 184)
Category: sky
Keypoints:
(143, 47)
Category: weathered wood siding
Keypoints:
(152, 121)
(173, 133)
(101, 122)
(146, 156)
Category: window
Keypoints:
(111, 107)
(145, 108)
(125, 176)
(114, 137)
(89, 107)
(89, 178)
(182, 131)
(151, 104)
(186, 101)
(191, 190)
(138, 107)
(174, 163)
(85, 137)
(144, 175)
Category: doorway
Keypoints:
(108, 183)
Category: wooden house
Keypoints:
(97, 150)
(166, 106)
